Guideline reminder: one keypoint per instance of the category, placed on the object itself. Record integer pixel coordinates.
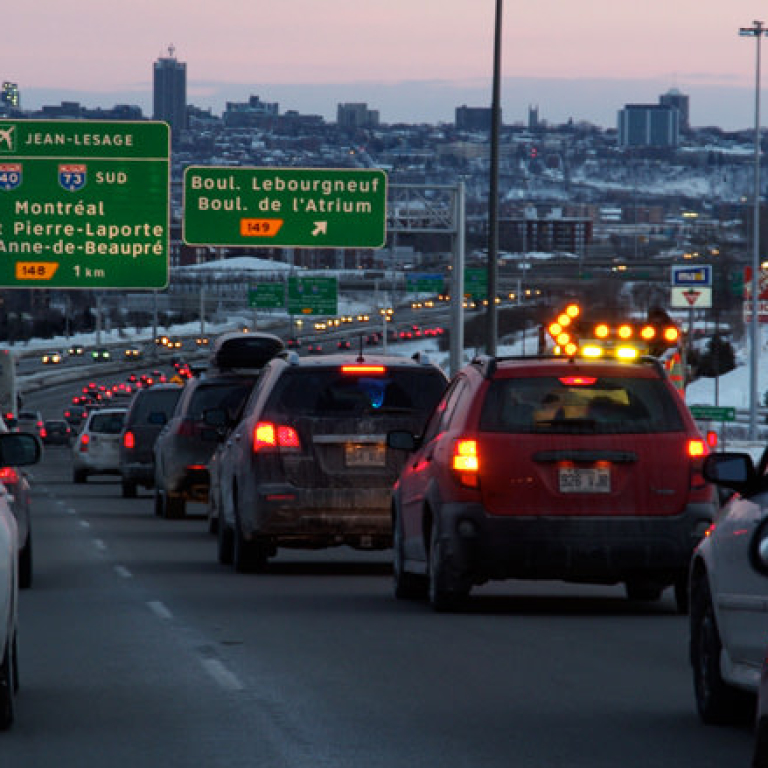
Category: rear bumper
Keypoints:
(191, 484)
(595, 550)
(143, 474)
(355, 517)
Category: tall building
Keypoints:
(356, 116)
(648, 125)
(9, 95)
(473, 118)
(673, 98)
(170, 91)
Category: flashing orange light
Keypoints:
(671, 334)
(572, 310)
(602, 331)
(571, 349)
(648, 332)
(624, 331)
(555, 329)
(563, 338)
(564, 320)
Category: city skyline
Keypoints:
(414, 62)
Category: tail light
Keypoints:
(280, 437)
(43, 432)
(9, 475)
(466, 463)
(84, 440)
(129, 440)
(697, 450)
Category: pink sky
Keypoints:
(109, 46)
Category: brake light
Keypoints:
(84, 440)
(712, 439)
(129, 440)
(578, 381)
(697, 448)
(9, 475)
(363, 369)
(267, 435)
(466, 463)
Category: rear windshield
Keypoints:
(596, 405)
(229, 396)
(331, 392)
(107, 423)
(155, 401)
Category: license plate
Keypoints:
(364, 455)
(585, 480)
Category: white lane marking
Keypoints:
(85, 524)
(159, 610)
(121, 570)
(70, 511)
(222, 675)
(99, 544)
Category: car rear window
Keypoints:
(107, 423)
(155, 401)
(313, 391)
(591, 405)
(229, 396)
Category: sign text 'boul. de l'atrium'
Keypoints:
(84, 204)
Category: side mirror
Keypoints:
(731, 470)
(401, 440)
(19, 449)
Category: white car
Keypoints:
(729, 595)
(97, 448)
(16, 449)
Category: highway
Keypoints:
(137, 648)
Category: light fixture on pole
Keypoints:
(757, 31)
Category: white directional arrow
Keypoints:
(321, 228)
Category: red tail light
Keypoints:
(466, 463)
(697, 448)
(84, 440)
(129, 440)
(9, 475)
(363, 369)
(267, 435)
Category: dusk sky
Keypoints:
(413, 60)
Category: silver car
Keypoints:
(97, 448)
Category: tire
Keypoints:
(129, 489)
(79, 476)
(224, 543)
(643, 591)
(158, 502)
(25, 563)
(717, 702)
(408, 586)
(7, 686)
(441, 599)
(247, 556)
(174, 507)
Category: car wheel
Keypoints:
(128, 489)
(224, 539)
(247, 556)
(717, 702)
(440, 598)
(158, 502)
(25, 563)
(79, 476)
(174, 507)
(643, 590)
(408, 586)
(7, 687)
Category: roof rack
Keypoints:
(421, 357)
(291, 356)
(489, 363)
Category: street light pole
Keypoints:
(757, 31)
(493, 193)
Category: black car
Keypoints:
(149, 411)
(57, 432)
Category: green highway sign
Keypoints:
(713, 413)
(267, 296)
(285, 207)
(313, 296)
(422, 282)
(476, 283)
(84, 204)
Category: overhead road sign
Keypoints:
(313, 296)
(713, 412)
(267, 296)
(691, 298)
(285, 207)
(424, 282)
(698, 276)
(84, 204)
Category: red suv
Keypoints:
(551, 468)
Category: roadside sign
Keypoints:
(84, 204)
(713, 413)
(267, 296)
(691, 298)
(697, 276)
(285, 207)
(476, 283)
(313, 296)
(423, 282)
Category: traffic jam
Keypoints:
(581, 464)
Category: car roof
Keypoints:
(331, 361)
(499, 367)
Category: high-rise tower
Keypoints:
(170, 91)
